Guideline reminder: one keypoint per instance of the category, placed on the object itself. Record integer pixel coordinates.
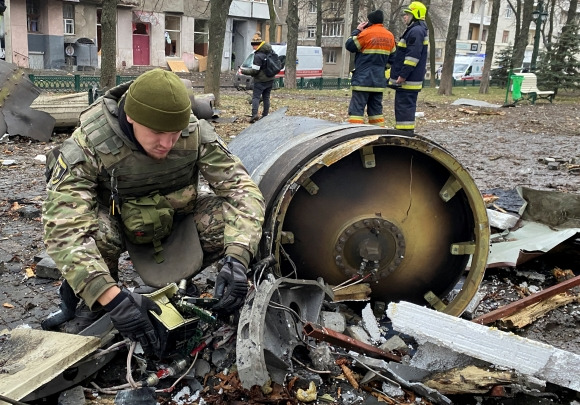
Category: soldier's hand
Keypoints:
(231, 286)
(130, 315)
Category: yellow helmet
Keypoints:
(418, 10)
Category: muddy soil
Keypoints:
(500, 152)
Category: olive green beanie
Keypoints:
(158, 100)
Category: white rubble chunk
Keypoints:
(497, 347)
(371, 325)
(501, 220)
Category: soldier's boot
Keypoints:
(67, 307)
(254, 118)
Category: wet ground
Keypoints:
(500, 152)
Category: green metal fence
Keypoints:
(72, 83)
(79, 83)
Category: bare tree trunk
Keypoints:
(521, 40)
(489, 47)
(353, 25)
(318, 22)
(217, 33)
(431, 33)
(109, 44)
(551, 11)
(446, 84)
(292, 20)
(272, 11)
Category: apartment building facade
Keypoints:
(475, 18)
(57, 34)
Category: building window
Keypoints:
(332, 29)
(311, 7)
(505, 37)
(280, 3)
(484, 35)
(331, 57)
(508, 12)
(311, 31)
(200, 37)
(33, 15)
(68, 13)
(472, 10)
(334, 6)
(470, 33)
(172, 35)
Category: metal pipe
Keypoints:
(338, 339)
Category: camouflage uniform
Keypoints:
(85, 240)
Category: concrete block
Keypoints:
(332, 320)
(395, 343)
(46, 268)
(74, 396)
(494, 346)
(358, 333)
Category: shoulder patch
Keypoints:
(59, 171)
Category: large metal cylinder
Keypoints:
(346, 199)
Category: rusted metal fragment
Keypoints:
(512, 308)
(17, 92)
(338, 339)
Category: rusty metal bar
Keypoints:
(338, 339)
(515, 306)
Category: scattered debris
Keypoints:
(480, 112)
(16, 116)
(30, 358)
(494, 346)
(474, 103)
(531, 299)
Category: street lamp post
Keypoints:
(539, 16)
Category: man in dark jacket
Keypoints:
(262, 83)
(408, 66)
(372, 44)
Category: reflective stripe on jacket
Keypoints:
(410, 60)
(372, 48)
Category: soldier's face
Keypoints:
(156, 144)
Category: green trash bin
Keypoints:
(516, 86)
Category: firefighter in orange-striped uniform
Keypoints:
(372, 44)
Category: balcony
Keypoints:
(476, 19)
(250, 9)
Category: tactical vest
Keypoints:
(131, 173)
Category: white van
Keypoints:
(468, 67)
(308, 65)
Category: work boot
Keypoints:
(254, 118)
(84, 318)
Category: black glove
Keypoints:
(231, 286)
(130, 314)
